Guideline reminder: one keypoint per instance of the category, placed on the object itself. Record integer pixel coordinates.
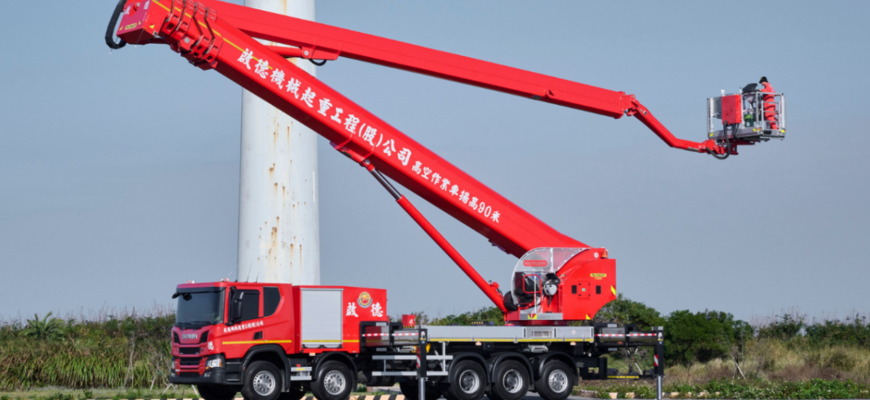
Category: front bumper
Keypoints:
(214, 376)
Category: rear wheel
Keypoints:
(217, 392)
(334, 382)
(262, 381)
(510, 381)
(468, 381)
(556, 381)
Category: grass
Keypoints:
(111, 350)
(772, 368)
(45, 358)
(71, 394)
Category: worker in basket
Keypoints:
(769, 103)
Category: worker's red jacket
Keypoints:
(769, 102)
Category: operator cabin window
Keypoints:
(271, 298)
(250, 304)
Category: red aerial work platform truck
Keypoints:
(274, 341)
(279, 340)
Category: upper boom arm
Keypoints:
(351, 129)
(319, 41)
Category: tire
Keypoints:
(469, 381)
(556, 381)
(334, 381)
(295, 393)
(217, 392)
(263, 381)
(510, 381)
(412, 392)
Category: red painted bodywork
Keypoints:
(732, 109)
(221, 36)
(281, 328)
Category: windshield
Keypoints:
(200, 307)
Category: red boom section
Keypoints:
(319, 41)
(351, 128)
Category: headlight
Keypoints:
(214, 362)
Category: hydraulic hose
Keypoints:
(729, 143)
(110, 31)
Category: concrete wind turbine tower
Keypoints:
(279, 222)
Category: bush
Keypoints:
(625, 311)
(854, 330)
(485, 314)
(702, 336)
(783, 327)
(840, 359)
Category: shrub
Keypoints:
(854, 330)
(625, 311)
(43, 329)
(783, 327)
(485, 314)
(702, 336)
(840, 359)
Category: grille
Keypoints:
(189, 361)
(189, 375)
(188, 350)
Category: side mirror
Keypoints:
(235, 306)
(237, 311)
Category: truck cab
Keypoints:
(223, 330)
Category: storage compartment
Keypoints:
(321, 318)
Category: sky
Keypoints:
(119, 171)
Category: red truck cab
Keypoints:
(223, 327)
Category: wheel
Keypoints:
(469, 381)
(295, 393)
(556, 381)
(412, 392)
(334, 381)
(262, 381)
(510, 381)
(217, 392)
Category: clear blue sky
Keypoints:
(119, 172)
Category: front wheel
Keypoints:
(334, 382)
(556, 381)
(217, 392)
(510, 381)
(262, 381)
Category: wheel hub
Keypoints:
(264, 383)
(558, 381)
(469, 381)
(334, 382)
(513, 381)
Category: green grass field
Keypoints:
(782, 356)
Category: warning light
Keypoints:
(604, 254)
